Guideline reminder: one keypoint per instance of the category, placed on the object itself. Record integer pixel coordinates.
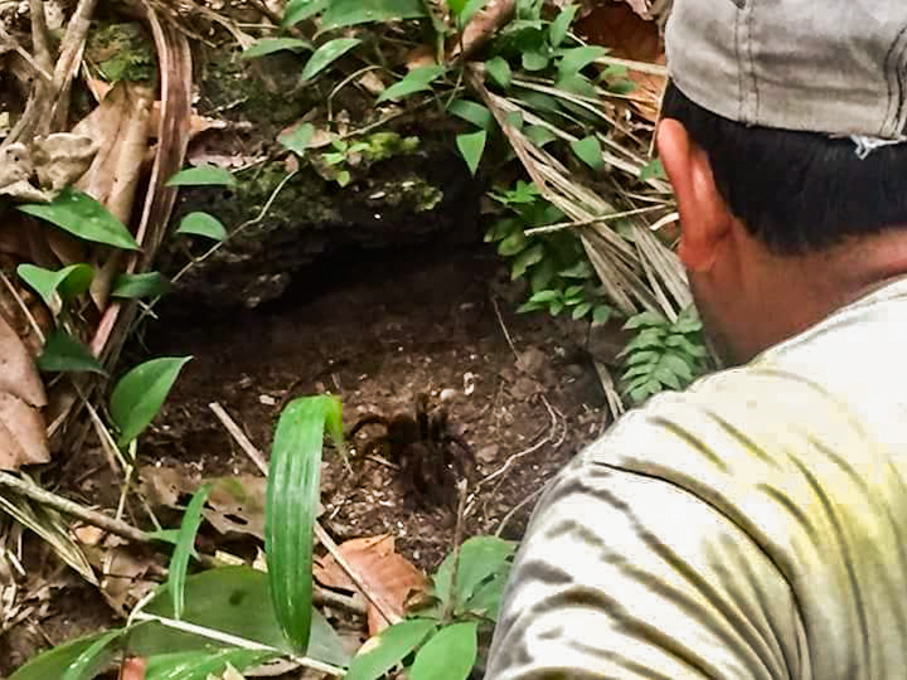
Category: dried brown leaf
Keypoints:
(23, 439)
(60, 159)
(387, 574)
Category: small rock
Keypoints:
(531, 361)
(488, 454)
(469, 383)
(448, 394)
(267, 400)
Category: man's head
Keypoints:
(784, 215)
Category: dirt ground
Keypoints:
(376, 330)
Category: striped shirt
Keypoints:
(754, 526)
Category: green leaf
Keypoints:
(646, 319)
(677, 366)
(140, 393)
(449, 654)
(575, 60)
(266, 46)
(581, 270)
(525, 260)
(472, 146)
(561, 25)
(665, 376)
(589, 151)
(476, 114)
(207, 175)
(199, 665)
(638, 358)
(683, 344)
(83, 216)
(300, 10)
(499, 70)
(540, 135)
(602, 314)
(581, 310)
(297, 140)
(326, 55)
(480, 558)
(469, 10)
(417, 80)
(384, 651)
(202, 224)
(293, 492)
(350, 12)
(488, 596)
(68, 282)
(93, 660)
(542, 275)
(237, 601)
(535, 60)
(653, 170)
(149, 284)
(185, 548)
(546, 296)
(574, 292)
(455, 6)
(56, 662)
(512, 245)
(63, 353)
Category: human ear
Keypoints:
(704, 217)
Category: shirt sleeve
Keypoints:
(624, 575)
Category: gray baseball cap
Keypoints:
(835, 66)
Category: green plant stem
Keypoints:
(595, 220)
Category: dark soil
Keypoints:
(375, 329)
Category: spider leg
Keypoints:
(465, 463)
(370, 419)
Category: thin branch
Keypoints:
(595, 220)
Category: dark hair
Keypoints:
(797, 192)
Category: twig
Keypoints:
(240, 437)
(72, 509)
(320, 532)
(457, 540)
(519, 506)
(601, 219)
(497, 311)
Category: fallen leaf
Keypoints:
(237, 505)
(484, 24)
(23, 436)
(387, 574)
(18, 375)
(126, 582)
(62, 158)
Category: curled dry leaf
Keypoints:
(60, 159)
(483, 26)
(386, 573)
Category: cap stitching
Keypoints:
(892, 72)
(901, 73)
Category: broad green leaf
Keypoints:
(202, 224)
(266, 46)
(91, 661)
(384, 651)
(203, 664)
(455, 6)
(646, 319)
(487, 599)
(601, 314)
(350, 12)
(677, 366)
(65, 354)
(297, 140)
(542, 275)
(574, 292)
(327, 54)
(514, 119)
(292, 500)
(540, 135)
(83, 216)
(575, 60)
(546, 296)
(525, 260)
(469, 10)
(589, 151)
(185, 548)
(555, 307)
(561, 25)
(54, 663)
(581, 310)
(208, 175)
(685, 345)
(149, 284)
(477, 114)
(647, 357)
(666, 377)
(449, 654)
(140, 393)
(237, 601)
(653, 170)
(480, 557)
(472, 146)
(68, 282)
(512, 245)
(300, 10)
(581, 270)
(417, 80)
(535, 60)
(499, 70)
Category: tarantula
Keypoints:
(431, 458)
